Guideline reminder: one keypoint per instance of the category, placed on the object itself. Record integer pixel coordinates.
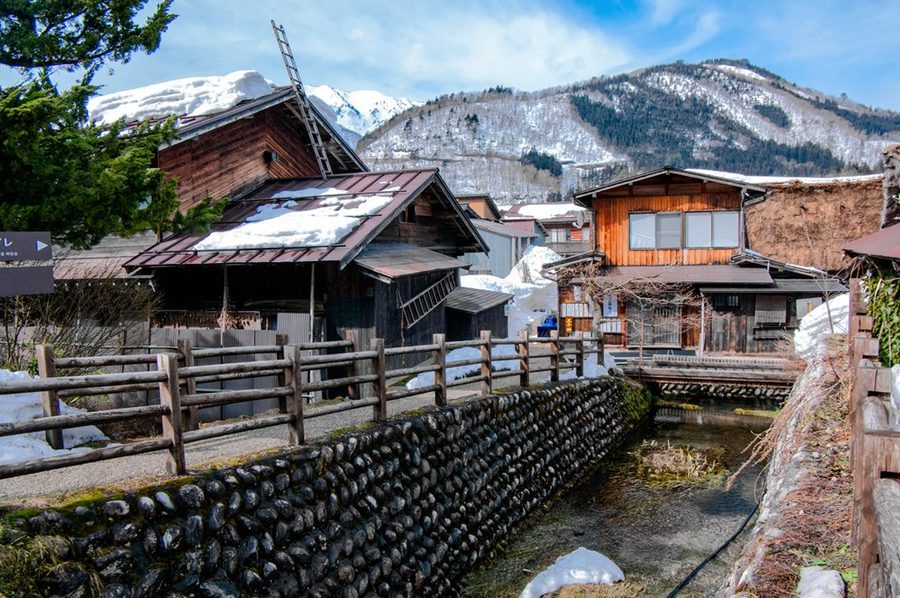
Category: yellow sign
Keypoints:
(568, 325)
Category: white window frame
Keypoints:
(712, 229)
(656, 219)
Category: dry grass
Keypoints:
(814, 519)
(667, 466)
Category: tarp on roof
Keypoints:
(884, 243)
(395, 261)
(473, 301)
(706, 274)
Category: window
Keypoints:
(712, 229)
(655, 231)
(559, 235)
(726, 302)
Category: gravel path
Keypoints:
(136, 470)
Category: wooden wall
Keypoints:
(612, 208)
(427, 223)
(230, 158)
(466, 326)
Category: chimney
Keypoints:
(890, 210)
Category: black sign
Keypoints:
(26, 280)
(24, 246)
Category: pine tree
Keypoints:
(58, 171)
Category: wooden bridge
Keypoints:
(735, 371)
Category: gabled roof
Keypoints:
(580, 198)
(387, 261)
(748, 256)
(465, 199)
(547, 213)
(884, 243)
(356, 206)
(192, 127)
(502, 229)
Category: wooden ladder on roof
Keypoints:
(312, 127)
(425, 302)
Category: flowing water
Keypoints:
(655, 534)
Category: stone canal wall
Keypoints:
(767, 396)
(406, 507)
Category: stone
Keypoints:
(193, 530)
(216, 518)
(146, 507)
(192, 496)
(217, 588)
(250, 580)
(171, 538)
(165, 501)
(249, 551)
(116, 509)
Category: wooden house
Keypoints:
(567, 226)
(683, 235)
(506, 246)
(482, 205)
(372, 253)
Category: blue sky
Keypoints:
(420, 49)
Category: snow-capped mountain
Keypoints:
(360, 111)
(355, 113)
(723, 115)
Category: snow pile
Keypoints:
(816, 582)
(280, 225)
(25, 406)
(465, 353)
(581, 566)
(534, 296)
(816, 326)
(193, 96)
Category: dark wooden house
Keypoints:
(469, 311)
(375, 253)
(678, 229)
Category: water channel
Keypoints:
(656, 532)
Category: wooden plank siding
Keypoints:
(611, 224)
(231, 158)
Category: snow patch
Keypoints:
(816, 582)
(33, 445)
(280, 225)
(581, 566)
(192, 96)
(463, 371)
(546, 211)
(829, 318)
(740, 72)
(782, 180)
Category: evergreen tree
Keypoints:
(58, 171)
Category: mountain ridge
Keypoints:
(719, 114)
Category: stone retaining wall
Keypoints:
(404, 508)
(759, 395)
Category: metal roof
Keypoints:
(403, 185)
(473, 301)
(104, 260)
(884, 243)
(666, 170)
(502, 229)
(578, 258)
(389, 261)
(706, 274)
(786, 286)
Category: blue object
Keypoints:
(547, 325)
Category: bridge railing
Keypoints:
(175, 376)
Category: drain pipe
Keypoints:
(702, 325)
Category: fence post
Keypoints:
(49, 398)
(294, 401)
(554, 355)
(379, 410)
(487, 386)
(192, 414)
(524, 359)
(579, 357)
(169, 396)
(352, 369)
(440, 375)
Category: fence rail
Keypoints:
(874, 458)
(175, 376)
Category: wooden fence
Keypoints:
(175, 376)
(875, 460)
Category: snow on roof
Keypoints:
(542, 211)
(192, 96)
(281, 225)
(782, 180)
